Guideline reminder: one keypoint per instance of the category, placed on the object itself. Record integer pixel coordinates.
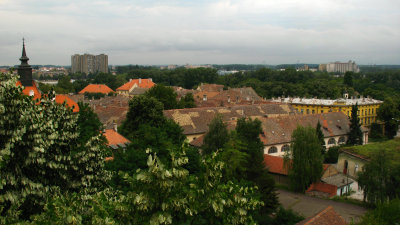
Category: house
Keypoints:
(115, 140)
(31, 88)
(332, 182)
(96, 88)
(195, 121)
(277, 131)
(328, 216)
(128, 88)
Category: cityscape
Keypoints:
(184, 112)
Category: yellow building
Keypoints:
(367, 107)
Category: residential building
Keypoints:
(96, 88)
(367, 107)
(115, 141)
(195, 121)
(277, 131)
(129, 88)
(88, 63)
(338, 67)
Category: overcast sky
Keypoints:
(202, 32)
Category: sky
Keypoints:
(150, 32)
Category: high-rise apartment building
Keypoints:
(88, 63)
(338, 67)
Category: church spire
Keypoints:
(25, 70)
(24, 59)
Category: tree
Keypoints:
(88, 122)
(40, 151)
(304, 158)
(321, 137)
(355, 133)
(348, 79)
(389, 113)
(165, 95)
(216, 137)
(384, 214)
(142, 110)
(187, 101)
(379, 179)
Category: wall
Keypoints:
(353, 162)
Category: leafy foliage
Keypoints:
(40, 151)
(304, 158)
(355, 134)
(216, 137)
(321, 137)
(384, 214)
(165, 95)
(389, 113)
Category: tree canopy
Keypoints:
(355, 133)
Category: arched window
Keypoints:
(342, 140)
(285, 148)
(331, 141)
(272, 149)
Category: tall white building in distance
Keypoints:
(338, 67)
(88, 63)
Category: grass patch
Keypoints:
(391, 147)
(345, 199)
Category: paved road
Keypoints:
(308, 206)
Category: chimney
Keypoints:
(151, 79)
(115, 126)
(140, 80)
(130, 80)
(229, 98)
(204, 97)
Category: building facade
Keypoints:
(367, 107)
(339, 67)
(88, 63)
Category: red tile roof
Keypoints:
(142, 83)
(29, 90)
(323, 187)
(327, 216)
(275, 164)
(114, 138)
(96, 88)
(60, 99)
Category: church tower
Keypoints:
(25, 70)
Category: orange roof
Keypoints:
(114, 138)
(30, 90)
(96, 88)
(60, 99)
(142, 83)
(326, 216)
(275, 164)
(323, 187)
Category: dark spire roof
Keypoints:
(24, 59)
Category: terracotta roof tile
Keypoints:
(31, 90)
(323, 187)
(96, 88)
(114, 138)
(279, 129)
(142, 83)
(60, 99)
(327, 216)
(275, 164)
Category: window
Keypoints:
(302, 111)
(331, 141)
(372, 111)
(322, 111)
(369, 111)
(342, 140)
(272, 149)
(308, 111)
(285, 148)
(313, 111)
(356, 169)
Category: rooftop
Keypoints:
(329, 102)
(96, 88)
(115, 140)
(142, 83)
(327, 216)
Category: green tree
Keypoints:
(348, 79)
(355, 133)
(379, 180)
(389, 113)
(64, 84)
(165, 95)
(321, 137)
(304, 158)
(332, 155)
(187, 101)
(40, 151)
(384, 214)
(88, 122)
(216, 137)
(142, 110)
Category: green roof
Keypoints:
(391, 147)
